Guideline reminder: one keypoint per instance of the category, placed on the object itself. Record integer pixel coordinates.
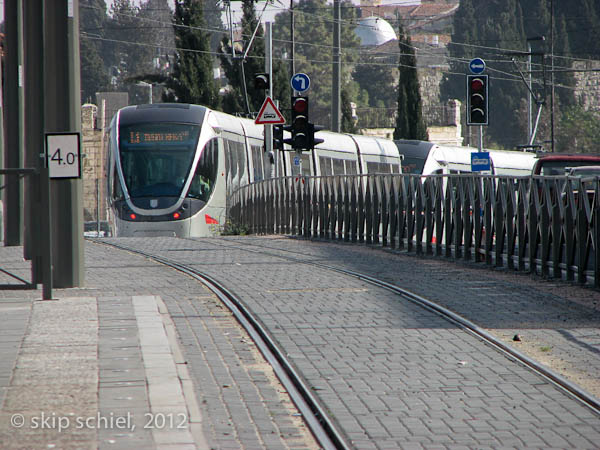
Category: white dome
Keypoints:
(374, 31)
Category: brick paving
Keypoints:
(392, 374)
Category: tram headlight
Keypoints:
(132, 216)
(176, 215)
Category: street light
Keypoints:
(143, 83)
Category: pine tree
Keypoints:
(192, 78)
(243, 96)
(313, 31)
(240, 72)
(409, 119)
(496, 29)
(94, 75)
(348, 123)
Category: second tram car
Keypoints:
(427, 158)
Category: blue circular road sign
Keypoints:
(477, 65)
(300, 82)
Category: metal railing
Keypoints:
(545, 225)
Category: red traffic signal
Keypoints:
(477, 100)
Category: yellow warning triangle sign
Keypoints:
(269, 114)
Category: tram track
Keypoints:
(322, 426)
(317, 419)
(460, 321)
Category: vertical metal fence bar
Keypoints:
(339, 207)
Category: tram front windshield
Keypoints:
(156, 158)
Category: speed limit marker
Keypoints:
(63, 155)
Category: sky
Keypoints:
(270, 11)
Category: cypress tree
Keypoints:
(409, 119)
(348, 124)
(192, 78)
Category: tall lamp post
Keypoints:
(143, 83)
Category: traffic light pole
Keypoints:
(269, 70)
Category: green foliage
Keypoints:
(579, 131)
(409, 119)
(94, 75)
(348, 122)
(192, 78)
(232, 228)
(313, 36)
(243, 97)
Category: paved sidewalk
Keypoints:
(103, 367)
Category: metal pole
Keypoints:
(13, 97)
(33, 22)
(480, 138)
(269, 70)
(552, 73)
(293, 65)
(63, 114)
(336, 81)
(529, 102)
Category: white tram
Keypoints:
(427, 158)
(170, 166)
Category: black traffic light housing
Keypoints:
(261, 81)
(278, 137)
(299, 126)
(311, 138)
(477, 100)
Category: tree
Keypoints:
(409, 119)
(313, 31)
(94, 75)
(191, 80)
(348, 122)
(579, 131)
(240, 73)
(497, 28)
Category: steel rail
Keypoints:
(322, 426)
(548, 374)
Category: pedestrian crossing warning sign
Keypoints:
(269, 114)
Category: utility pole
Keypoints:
(269, 71)
(13, 97)
(336, 81)
(35, 236)
(62, 113)
(293, 64)
(552, 74)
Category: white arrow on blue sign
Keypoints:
(300, 82)
(477, 65)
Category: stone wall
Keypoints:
(92, 165)
(588, 85)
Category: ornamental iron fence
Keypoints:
(545, 225)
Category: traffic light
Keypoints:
(311, 135)
(299, 127)
(261, 81)
(278, 137)
(477, 100)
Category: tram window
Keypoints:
(257, 162)
(206, 172)
(117, 193)
(338, 167)
(325, 165)
(231, 153)
(242, 162)
(306, 164)
(350, 167)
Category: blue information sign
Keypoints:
(300, 82)
(477, 65)
(480, 161)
